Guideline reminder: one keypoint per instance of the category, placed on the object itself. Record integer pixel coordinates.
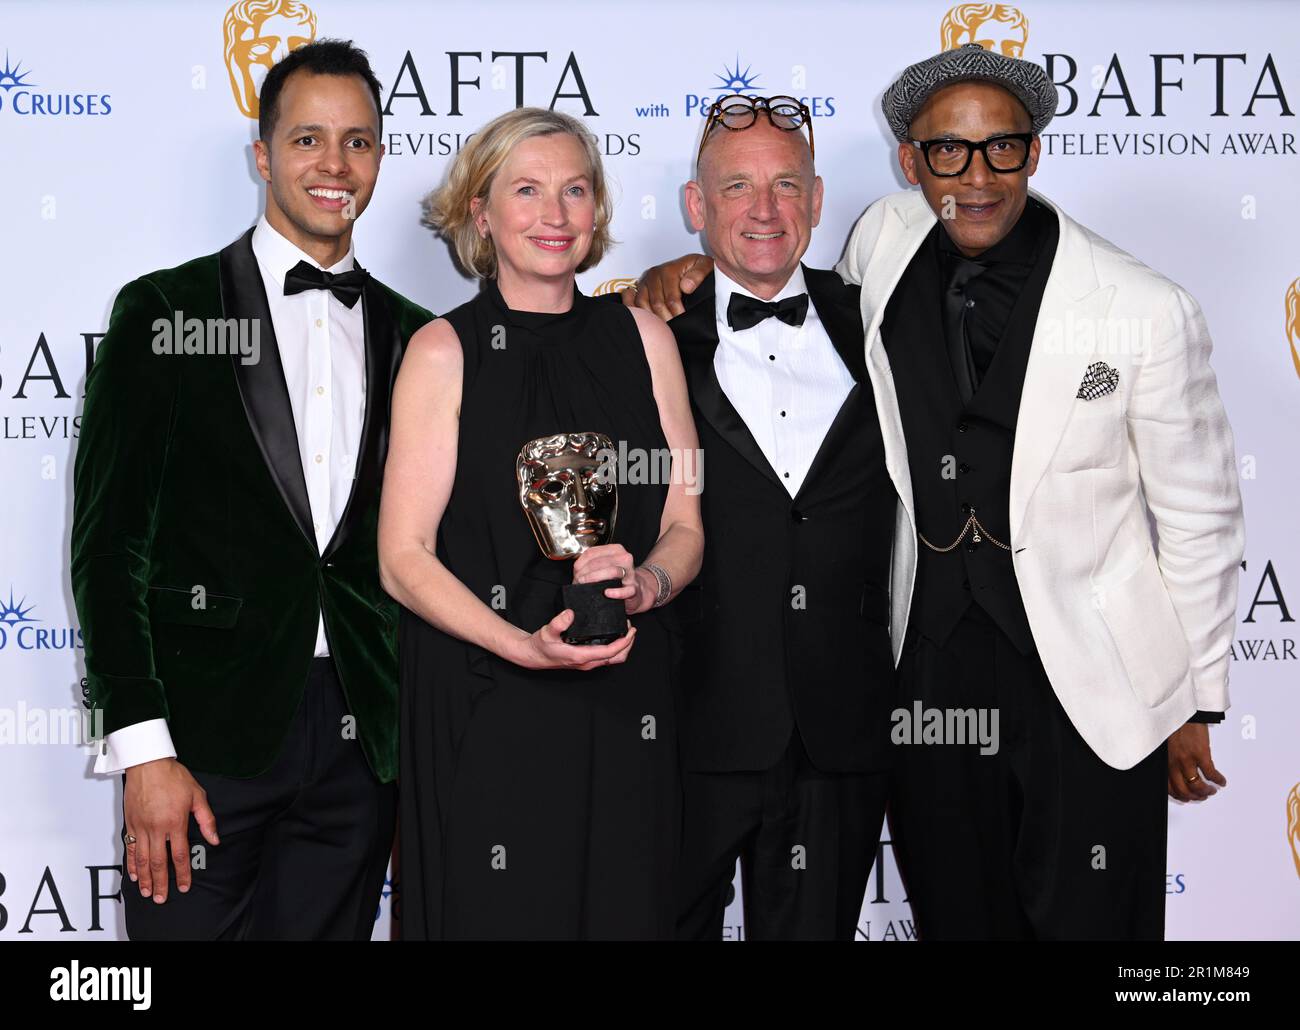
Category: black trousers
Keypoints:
(805, 840)
(1041, 840)
(304, 845)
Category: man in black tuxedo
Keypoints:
(1070, 528)
(788, 672)
(224, 563)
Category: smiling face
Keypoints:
(757, 198)
(322, 160)
(985, 204)
(540, 211)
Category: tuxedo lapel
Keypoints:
(905, 221)
(696, 331)
(383, 355)
(837, 307)
(904, 227)
(262, 386)
(1074, 297)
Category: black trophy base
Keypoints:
(597, 619)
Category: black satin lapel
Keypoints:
(845, 422)
(697, 339)
(383, 355)
(262, 385)
(838, 307)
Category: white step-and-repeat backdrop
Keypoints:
(127, 147)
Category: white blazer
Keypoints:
(1133, 643)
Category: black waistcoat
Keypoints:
(960, 454)
(787, 624)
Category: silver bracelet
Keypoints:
(665, 582)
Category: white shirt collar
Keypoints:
(277, 255)
(724, 286)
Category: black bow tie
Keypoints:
(346, 286)
(745, 312)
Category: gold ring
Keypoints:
(130, 838)
(1193, 778)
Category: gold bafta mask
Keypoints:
(1293, 825)
(618, 285)
(1293, 322)
(568, 491)
(997, 27)
(258, 33)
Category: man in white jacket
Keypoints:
(1045, 400)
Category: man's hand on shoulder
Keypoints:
(661, 288)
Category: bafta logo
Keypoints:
(1293, 825)
(258, 33)
(1293, 322)
(998, 27)
(617, 285)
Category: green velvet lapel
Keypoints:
(262, 385)
(383, 355)
(266, 396)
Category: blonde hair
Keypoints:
(472, 171)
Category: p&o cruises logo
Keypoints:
(27, 99)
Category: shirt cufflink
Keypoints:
(134, 745)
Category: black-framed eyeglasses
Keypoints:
(737, 112)
(1008, 152)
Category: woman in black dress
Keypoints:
(538, 779)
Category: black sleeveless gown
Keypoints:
(538, 804)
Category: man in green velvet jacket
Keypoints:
(224, 564)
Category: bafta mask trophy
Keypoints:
(570, 497)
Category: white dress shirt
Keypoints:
(321, 343)
(787, 382)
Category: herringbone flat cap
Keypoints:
(968, 63)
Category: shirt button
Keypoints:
(319, 323)
(320, 390)
(798, 516)
(319, 458)
(786, 474)
(783, 414)
(771, 357)
(970, 303)
(962, 427)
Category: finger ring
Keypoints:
(1193, 778)
(622, 572)
(130, 838)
